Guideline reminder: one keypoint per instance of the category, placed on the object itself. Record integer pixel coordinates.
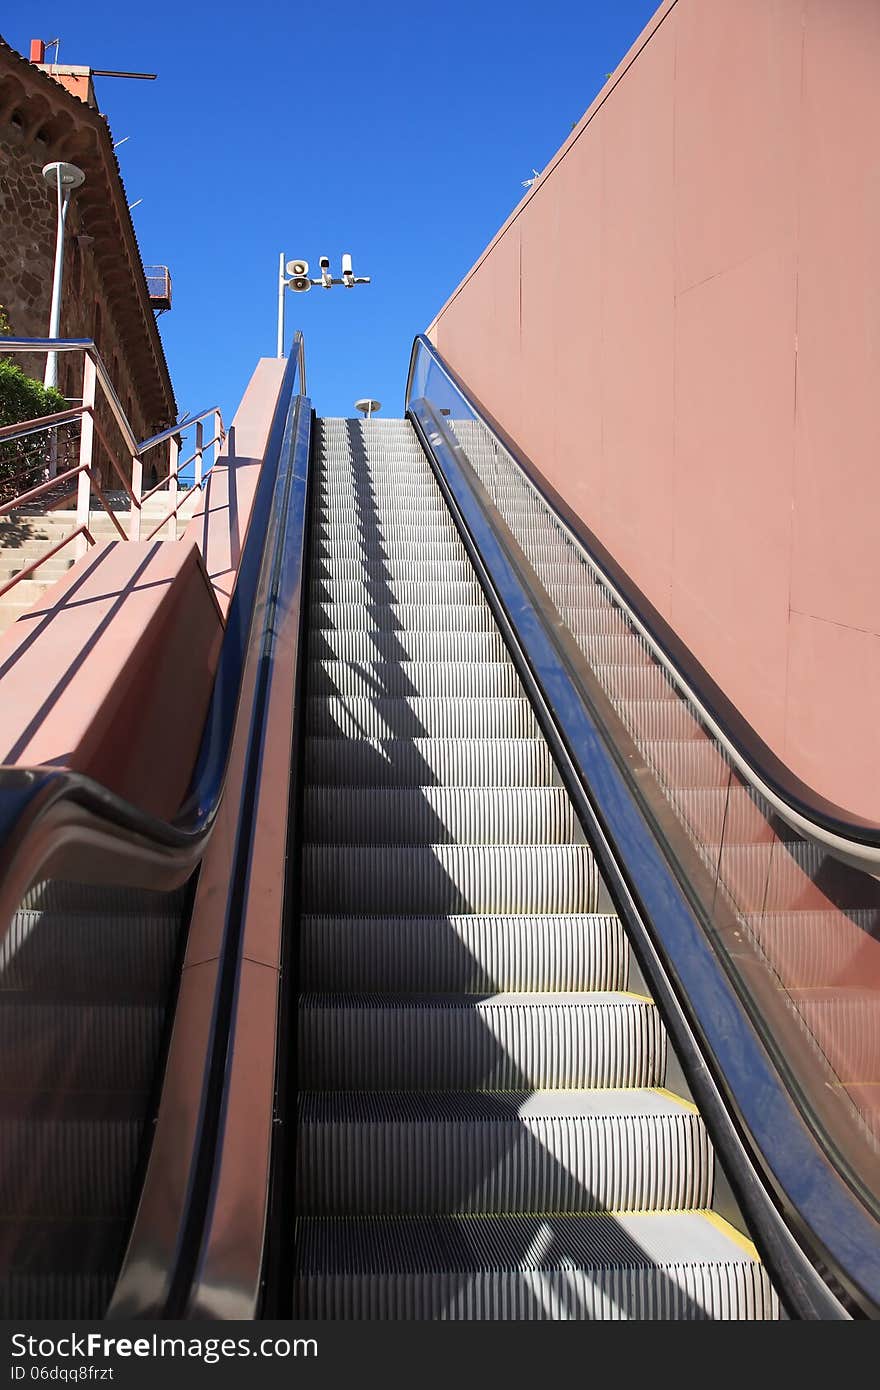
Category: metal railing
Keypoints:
(158, 279)
(82, 476)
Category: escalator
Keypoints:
(88, 982)
(480, 975)
(485, 1128)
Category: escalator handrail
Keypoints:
(850, 837)
(201, 1106)
(814, 1232)
(47, 808)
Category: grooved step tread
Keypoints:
(470, 953)
(638, 1266)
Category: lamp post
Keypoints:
(64, 178)
(368, 407)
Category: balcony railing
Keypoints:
(159, 286)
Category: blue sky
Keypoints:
(398, 132)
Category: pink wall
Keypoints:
(680, 325)
(111, 672)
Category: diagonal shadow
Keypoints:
(98, 631)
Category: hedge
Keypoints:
(22, 398)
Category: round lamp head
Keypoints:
(69, 175)
(368, 407)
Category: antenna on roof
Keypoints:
(527, 183)
(107, 72)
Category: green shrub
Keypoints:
(22, 398)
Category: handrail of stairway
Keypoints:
(58, 824)
(95, 374)
(42, 422)
(819, 1238)
(850, 837)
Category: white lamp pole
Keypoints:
(64, 178)
(281, 287)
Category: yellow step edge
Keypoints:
(679, 1100)
(733, 1234)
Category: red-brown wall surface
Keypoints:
(680, 325)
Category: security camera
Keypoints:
(326, 277)
(347, 272)
(300, 283)
(297, 268)
(324, 262)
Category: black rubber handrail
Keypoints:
(805, 803)
(819, 1241)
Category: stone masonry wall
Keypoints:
(27, 254)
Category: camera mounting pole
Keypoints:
(295, 276)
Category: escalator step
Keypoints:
(412, 592)
(60, 895)
(423, 530)
(632, 1266)
(373, 549)
(97, 956)
(464, 954)
(417, 762)
(687, 762)
(419, 717)
(474, 647)
(418, 569)
(785, 876)
(418, 1153)
(636, 682)
(461, 1042)
(68, 1168)
(453, 679)
(58, 1269)
(370, 513)
(606, 649)
(806, 949)
(733, 812)
(437, 879)
(76, 1047)
(440, 815)
(390, 617)
(659, 719)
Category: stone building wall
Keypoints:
(27, 253)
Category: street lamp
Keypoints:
(64, 178)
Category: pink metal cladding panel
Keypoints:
(637, 320)
(836, 561)
(714, 420)
(110, 674)
(736, 104)
(732, 511)
(220, 525)
(817, 650)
